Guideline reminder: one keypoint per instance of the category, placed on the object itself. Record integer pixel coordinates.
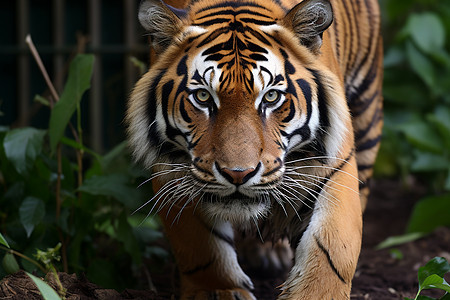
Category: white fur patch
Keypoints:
(228, 257)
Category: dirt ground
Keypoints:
(378, 276)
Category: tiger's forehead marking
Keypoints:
(235, 44)
(259, 77)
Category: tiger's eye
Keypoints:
(202, 96)
(271, 96)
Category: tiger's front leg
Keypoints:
(205, 255)
(327, 254)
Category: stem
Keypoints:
(80, 151)
(25, 257)
(63, 250)
(38, 59)
(55, 96)
(44, 72)
(58, 181)
(61, 290)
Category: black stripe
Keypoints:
(223, 237)
(306, 210)
(183, 112)
(288, 67)
(324, 120)
(167, 88)
(232, 13)
(153, 134)
(291, 114)
(216, 33)
(258, 22)
(364, 185)
(376, 118)
(368, 144)
(237, 296)
(333, 267)
(198, 268)
(259, 36)
(235, 4)
(322, 100)
(365, 167)
(182, 66)
(359, 108)
(304, 131)
(211, 22)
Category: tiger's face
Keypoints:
(232, 95)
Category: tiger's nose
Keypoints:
(238, 176)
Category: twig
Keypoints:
(50, 85)
(38, 60)
(25, 257)
(55, 96)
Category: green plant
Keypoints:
(431, 276)
(54, 189)
(11, 266)
(416, 138)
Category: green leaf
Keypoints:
(113, 185)
(421, 297)
(102, 272)
(441, 120)
(48, 293)
(139, 64)
(447, 181)
(398, 240)
(394, 56)
(429, 213)
(430, 281)
(22, 146)
(31, 213)
(421, 65)
(126, 236)
(74, 144)
(427, 31)
(3, 241)
(396, 254)
(110, 158)
(438, 265)
(77, 83)
(10, 264)
(425, 161)
(422, 135)
(42, 100)
(443, 286)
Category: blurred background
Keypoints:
(60, 29)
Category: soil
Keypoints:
(379, 275)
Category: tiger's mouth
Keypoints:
(235, 197)
(236, 208)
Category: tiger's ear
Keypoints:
(162, 21)
(309, 19)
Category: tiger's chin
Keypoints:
(236, 209)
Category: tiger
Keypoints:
(263, 117)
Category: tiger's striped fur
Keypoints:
(260, 113)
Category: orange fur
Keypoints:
(260, 113)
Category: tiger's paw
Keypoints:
(266, 260)
(234, 294)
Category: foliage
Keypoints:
(10, 265)
(47, 292)
(56, 191)
(431, 276)
(416, 137)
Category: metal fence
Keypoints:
(61, 28)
